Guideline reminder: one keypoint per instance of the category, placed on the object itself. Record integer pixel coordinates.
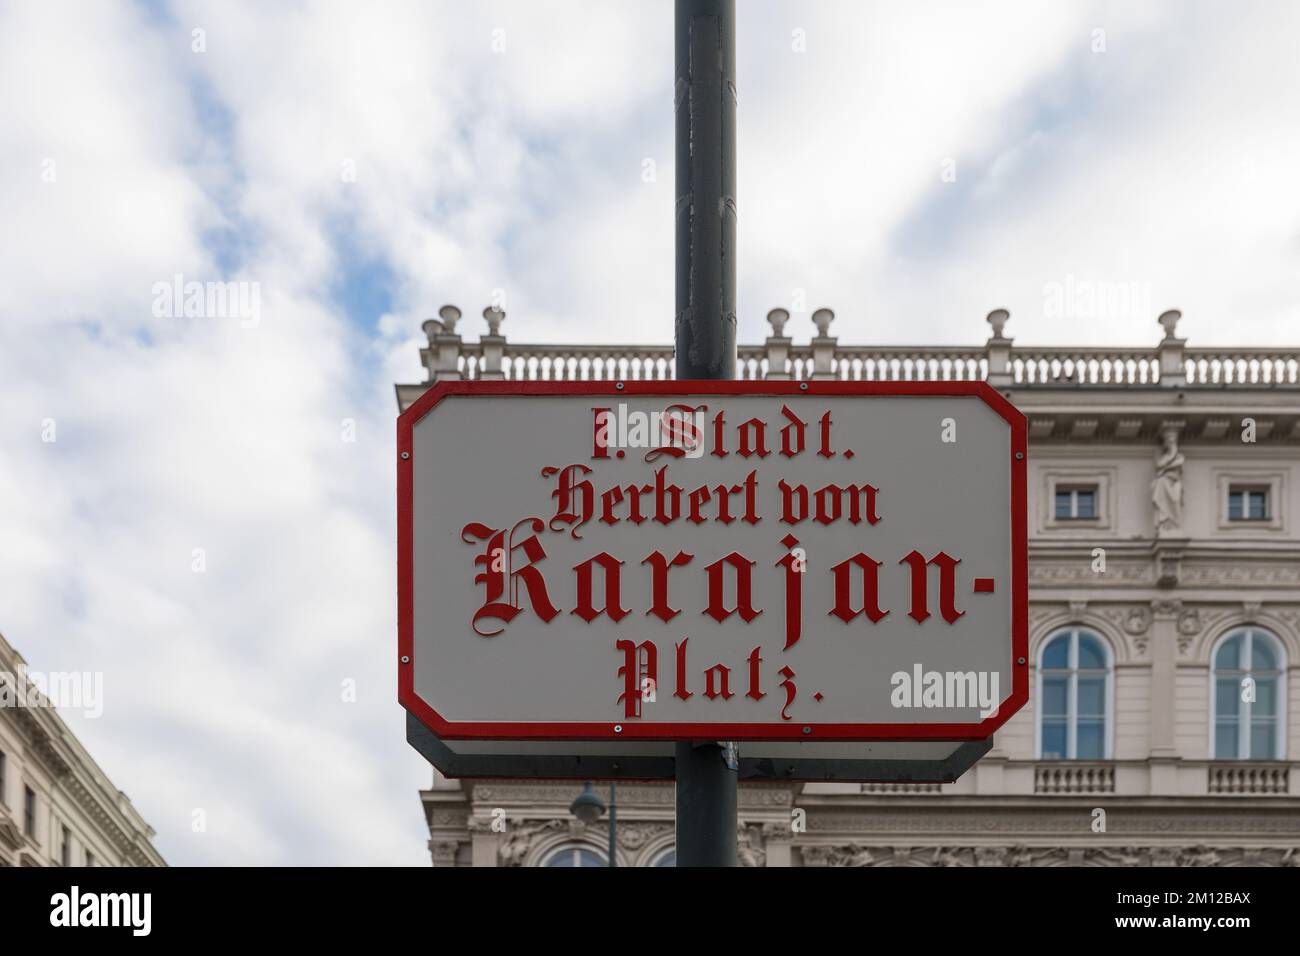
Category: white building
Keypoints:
(57, 808)
(1163, 725)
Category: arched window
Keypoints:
(1246, 696)
(572, 854)
(1074, 696)
(667, 858)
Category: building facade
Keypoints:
(1163, 726)
(57, 808)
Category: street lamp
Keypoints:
(587, 807)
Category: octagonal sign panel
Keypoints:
(815, 561)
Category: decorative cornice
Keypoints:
(1050, 818)
(530, 793)
(1020, 854)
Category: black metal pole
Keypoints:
(705, 94)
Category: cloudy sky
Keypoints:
(181, 507)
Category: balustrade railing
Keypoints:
(1248, 778)
(1074, 777)
(997, 361)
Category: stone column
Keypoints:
(444, 343)
(998, 350)
(443, 852)
(1170, 351)
(493, 345)
(778, 840)
(484, 846)
(823, 344)
(1163, 756)
(778, 345)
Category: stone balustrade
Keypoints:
(1250, 779)
(1169, 364)
(1074, 776)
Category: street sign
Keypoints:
(812, 561)
(893, 761)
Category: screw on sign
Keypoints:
(776, 561)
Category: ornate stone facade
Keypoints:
(56, 805)
(1161, 573)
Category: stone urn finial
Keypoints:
(495, 317)
(777, 318)
(1169, 322)
(823, 318)
(432, 328)
(450, 315)
(998, 319)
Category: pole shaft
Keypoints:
(706, 806)
(705, 94)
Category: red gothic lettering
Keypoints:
(792, 435)
(681, 692)
(639, 661)
(724, 673)
(825, 450)
(947, 566)
(678, 431)
(790, 692)
(659, 567)
(793, 593)
(862, 498)
(794, 502)
(870, 589)
(755, 691)
(613, 604)
(719, 446)
(565, 493)
(744, 598)
(495, 581)
(699, 496)
(601, 424)
(753, 439)
(665, 493)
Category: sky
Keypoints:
(199, 504)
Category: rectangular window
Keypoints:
(1076, 504)
(29, 812)
(1248, 503)
(65, 848)
(90, 858)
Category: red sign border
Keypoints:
(794, 730)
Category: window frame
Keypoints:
(29, 812)
(1074, 491)
(1247, 491)
(1244, 715)
(1100, 481)
(1072, 694)
(574, 848)
(1272, 483)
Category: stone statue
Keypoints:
(1167, 487)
